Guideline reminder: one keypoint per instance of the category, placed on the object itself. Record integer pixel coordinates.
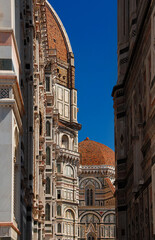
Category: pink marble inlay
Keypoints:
(5, 39)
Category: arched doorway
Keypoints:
(91, 236)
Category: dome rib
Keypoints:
(61, 26)
(94, 153)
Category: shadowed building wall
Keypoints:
(134, 105)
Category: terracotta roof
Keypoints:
(111, 186)
(94, 153)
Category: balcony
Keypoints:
(69, 154)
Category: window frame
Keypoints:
(59, 194)
(48, 161)
(59, 210)
(69, 171)
(48, 187)
(48, 130)
(58, 167)
(47, 212)
(48, 89)
(65, 144)
(59, 228)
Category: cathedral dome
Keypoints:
(94, 153)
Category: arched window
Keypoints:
(47, 83)
(48, 157)
(69, 224)
(59, 210)
(65, 142)
(48, 185)
(59, 227)
(87, 218)
(89, 197)
(69, 171)
(58, 167)
(58, 194)
(109, 228)
(40, 122)
(69, 215)
(90, 238)
(48, 129)
(110, 218)
(47, 212)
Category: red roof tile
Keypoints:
(94, 153)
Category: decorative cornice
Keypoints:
(11, 103)
(69, 154)
(97, 167)
(10, 224)
(103, 169)
(11, 80)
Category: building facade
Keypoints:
(134, 105)
(56, 157)
(39, 130)
(16, 111)
(96, 191)
(39, 159)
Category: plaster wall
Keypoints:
(6, 166)
(5, 52)
(5, 13)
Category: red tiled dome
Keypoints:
(94, 153)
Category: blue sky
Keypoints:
(92, 30)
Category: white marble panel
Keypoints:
(66, 111)
(60, 107)
(66, 96)
(5, 14)
(60, 93)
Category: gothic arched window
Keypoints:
(109, 228)
(69, 215)
(47, 212)
(90, 238)
(89, 197)
(48, 129)
(48, 185)
(65, 142)
(40, 123)
(69, 171)
(48, 157)
(69, 224)
(90, 218)
(59, 227)
(59, 210)
(110, 218)
(47, 83)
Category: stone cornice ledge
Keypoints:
(11, 80)
(10, 224)
(104, 169)
(96, 167)
(11, 103)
